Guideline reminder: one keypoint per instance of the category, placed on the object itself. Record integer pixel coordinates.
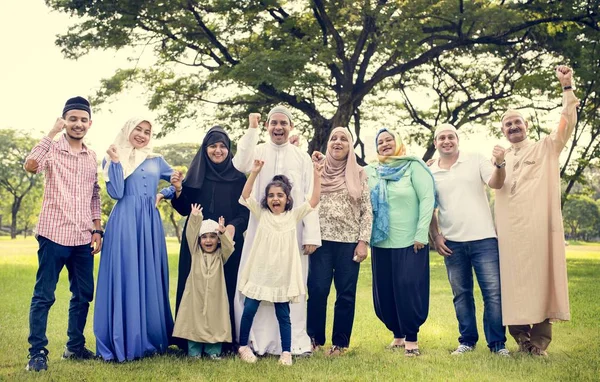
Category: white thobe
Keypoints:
(292, 162)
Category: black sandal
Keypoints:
(412, 353)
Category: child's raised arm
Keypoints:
(256, 167)
(193, 227)
(316, 194)
(226, 240)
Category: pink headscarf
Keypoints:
(346, 173)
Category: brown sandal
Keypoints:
(412, 353)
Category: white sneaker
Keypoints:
(285, 358)
(502, 353)
(461, 349)
(246, 354)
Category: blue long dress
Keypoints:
(132, 315)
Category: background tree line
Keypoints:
(21, 193)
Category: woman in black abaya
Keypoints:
(216, 185)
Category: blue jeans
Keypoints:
(282, 311)
(482, 257)
(52, 257)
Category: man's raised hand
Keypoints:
(564, 75)
(254, 120)
(59, 125)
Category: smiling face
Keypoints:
(209, 242)
(77, 124)
(141, 134)
(514, 129)
(386, 144)
(279, 127)
(217, 152)
(338, 146)
(276, 200)
(446, 143)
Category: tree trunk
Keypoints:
(16, 205)
(323, 127)
(429, 153)
(175, 225)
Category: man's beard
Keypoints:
(74, 138)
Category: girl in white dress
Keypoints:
(273, 272)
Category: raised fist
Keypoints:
(59, 125)
(113, 154)
(564, 75)
(317, 157)
(254, 120)
(498, 154)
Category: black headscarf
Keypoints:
(203, 168)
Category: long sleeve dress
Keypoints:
(132, 316)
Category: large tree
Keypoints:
(14, 180)
(323, 58)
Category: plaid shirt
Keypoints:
(71, 195)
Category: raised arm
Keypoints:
(246, 146)
(37, 158)
(226, 240)
(257, 166)
(496, 181)
(316, 192)
(568, 118)
(115, 183)
(311, 229)
(193, 227)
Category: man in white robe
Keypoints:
(280, 157)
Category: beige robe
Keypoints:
(203, 315)
(533, 270)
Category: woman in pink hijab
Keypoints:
(346, 217)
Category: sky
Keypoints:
(36, 80)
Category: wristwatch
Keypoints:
(501, 164)
(98, 231)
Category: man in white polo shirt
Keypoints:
(466, 236)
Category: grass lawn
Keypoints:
(574, 353)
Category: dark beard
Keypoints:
(74, 138)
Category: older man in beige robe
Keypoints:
(533, 269)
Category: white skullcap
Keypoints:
(511, 113)
(208, 226)
(283, 110)
(444, 127)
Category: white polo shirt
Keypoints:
(464, 211)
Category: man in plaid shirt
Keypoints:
(68, 231)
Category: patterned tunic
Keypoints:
(343, 222)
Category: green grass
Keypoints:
(574, 353)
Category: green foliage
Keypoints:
(16, 183)
(323, 58)
(178, 154)
(581, 215)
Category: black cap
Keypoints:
(77, 103)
